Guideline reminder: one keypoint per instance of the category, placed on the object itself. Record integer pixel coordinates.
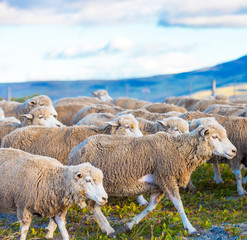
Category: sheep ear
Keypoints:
(95, 94)
(28, 116)
(32, 102)
(162, 123)
(204, 132)
(112, 123)
(78, 175)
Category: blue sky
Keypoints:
(113, 39)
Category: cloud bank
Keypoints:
(185, 13)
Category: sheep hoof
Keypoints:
(126, 228)
(112, 235)
(195, 234)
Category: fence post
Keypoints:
(213, 87)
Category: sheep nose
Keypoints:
(234, 151)
(104, 199)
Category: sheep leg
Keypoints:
(217, 175)
(179, 206)
(51, 229)
(191, 186)
(25, 219)
(154, 200)
(142, 201)
(103, 222)
(60, 220)
(240, 189)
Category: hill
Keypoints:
(155, 88)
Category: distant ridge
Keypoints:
(155, 88)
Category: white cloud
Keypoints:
(194, 13)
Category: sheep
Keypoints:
(143, 113)
(187, 102)
(67, 112)
(99, 96)
(173, 125)
(102, 95)
(15, 109)
(130, 103)
(95, 108)
(2, 116)
(96, 119)
(58, 142)
(203, 104)
(172, 100)
(226, 110)
(236, 128)
(37, 185)
(38, 116)
(163, 108)
(158, 164)
(222, 97)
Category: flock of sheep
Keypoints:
(54, 155)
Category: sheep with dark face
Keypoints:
(36, 185)
(158, 164)
(15, 109)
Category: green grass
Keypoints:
(210, 205)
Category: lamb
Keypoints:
(36, 185)
(95, 108)
(96, 119)
(15, 109)
(163, 108)
(173, 125)
(38, 116)
(236, 128)
(130, 103)
(58, 142)
(158, 164)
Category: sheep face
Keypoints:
(126, 125)
(91, 179)
(174, 125)
(41, 116)
(102, 95)
(41, 101)
(216, 135)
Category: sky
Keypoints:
(116, 39)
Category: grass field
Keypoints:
(211, 204)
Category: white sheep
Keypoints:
(58, 142)
(102, 95)
(15, 109)
(158, 164)
(41, 116)
(96, 119)
(42, 186)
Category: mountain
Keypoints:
(155, 88)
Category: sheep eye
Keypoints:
(41, 116)
(175, 129)
(214, 137)
(88, 180)
(126, 126)
(55, 116)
